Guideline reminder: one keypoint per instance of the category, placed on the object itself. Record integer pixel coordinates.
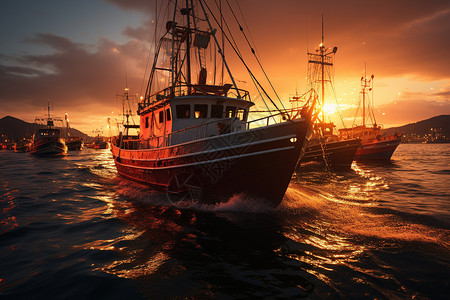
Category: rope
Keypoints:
(254, 53)
(243, 62)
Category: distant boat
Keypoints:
(374, 146)
(99, 143)
(72, 142)
(195, 140)
(329, 151)
(22, 145)
(48, 141)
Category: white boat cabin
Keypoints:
(185, 118)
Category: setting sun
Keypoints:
(329, 108)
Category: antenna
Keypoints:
(322, 28)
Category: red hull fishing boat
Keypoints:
(374, 145)
(48, 141)
(195, 140)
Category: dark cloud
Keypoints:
(74, 77)
(140, 5)
(445, 93)
(395, 38)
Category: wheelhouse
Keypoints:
(193, 107)
(48, 132)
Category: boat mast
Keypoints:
(367, 83)
(364, 95)
(318, 63)
(188, 46)
(173, 54)
(322, 55)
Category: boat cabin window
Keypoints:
(200, 111)
(168, 115)
(146, 122)
(49, 132)
(242, 114)
(217, 111)
(230, 112)
(161, 116)
(183, 111)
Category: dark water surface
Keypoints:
(71, 229)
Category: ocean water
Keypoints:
(71, 229)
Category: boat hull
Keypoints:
(49, 147)
(258, 163)
(74, 145)
(336, 155)
(378, 150)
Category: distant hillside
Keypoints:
(16, 129)
(422, 128)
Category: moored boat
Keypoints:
(72, 142)
(195, 140)
(99, 143)
(22, 145)
(48, 141)
(324, 149)
(374, 145)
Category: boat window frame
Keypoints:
(168, 114)
(243, 113)
(214, 113)
(202, 109)
(232, 110)
(182, 112)
(161, 116)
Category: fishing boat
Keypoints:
(72, 142)
(374, 145)
(196, 141)
(48, 141)
(100, 143)
(22, 145)
(325, 148)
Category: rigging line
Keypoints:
(216, 41)
(243, 62)
(158, 16)
(260, 95)
(254, 53)
(245, 22)
(155, 61)
(356, 113)
(335, 98)
(223, 20)
(373, 112)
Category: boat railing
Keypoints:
(201, 131)
(185, 135)
(225, 90)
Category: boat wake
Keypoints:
(360, 219)
(241, 203)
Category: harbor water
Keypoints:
(70, 228)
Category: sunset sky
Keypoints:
(79, 54)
